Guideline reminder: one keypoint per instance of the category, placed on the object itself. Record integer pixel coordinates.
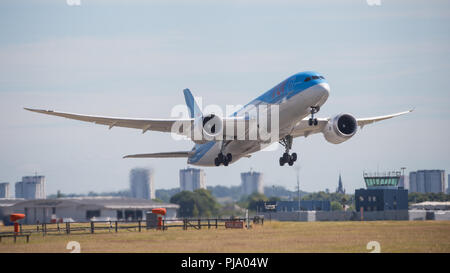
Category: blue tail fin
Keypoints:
(194, 110)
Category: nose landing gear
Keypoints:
(313, 121)
(286, 142)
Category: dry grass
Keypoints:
(393, 236)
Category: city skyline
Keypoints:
(404, 182)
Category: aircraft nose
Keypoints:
(323, 89)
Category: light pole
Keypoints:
(297, 169)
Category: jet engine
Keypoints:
(207, 128)
(340, 128)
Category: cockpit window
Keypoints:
(307, 79)
(321, 77)
(315, 77)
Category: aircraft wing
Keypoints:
(364, 121)
(162, 125)
(160, 155)
(303, 129)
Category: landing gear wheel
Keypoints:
(294, 157)
(291, 162)
(315, 122)
(229, 157)
(281, 161)
(285, 157)
(225, 163)
(216, 161)
(220, 157)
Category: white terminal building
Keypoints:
(192, 179)
(31, 187)
(141, 183)
(82, 209)
(426, 181)
(252, 182)
(4, 190)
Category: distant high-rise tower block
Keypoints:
(448, 184)
(404, 182)
(141, 183)
(252, 182)
(340, 188)
(192, 179)
(4, 190)
(427, 181)
(31, 187)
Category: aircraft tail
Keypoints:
(194, 110)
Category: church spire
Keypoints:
(340, 188)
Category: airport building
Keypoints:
(6, 204)
(4, 190)
(31, 187)
(141, 183)
(382, 193)
(252, 182)
(192, 179)
(81, 209)
(290, 206)
(427, 181)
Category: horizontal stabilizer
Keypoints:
(159, 155)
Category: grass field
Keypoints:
(393, 236)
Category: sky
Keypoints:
(134, 58)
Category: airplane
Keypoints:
(298, 98)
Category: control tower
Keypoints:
(382, 193)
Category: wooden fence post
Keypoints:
(92, 227)
(209, 224)
(216, 223)
(116, 227)
(68, 227)
(199, 225)
(139, 223)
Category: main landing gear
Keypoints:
(287, 158)
(313, 121)
(222, 158)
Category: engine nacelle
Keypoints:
(207, 128)
(340, 128)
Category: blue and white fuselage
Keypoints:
(294, 97)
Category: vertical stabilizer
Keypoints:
(194, 110)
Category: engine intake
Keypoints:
(207, 128)
(340, 128)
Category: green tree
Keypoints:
(251, 202)
(336, 206)
(197, 203)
